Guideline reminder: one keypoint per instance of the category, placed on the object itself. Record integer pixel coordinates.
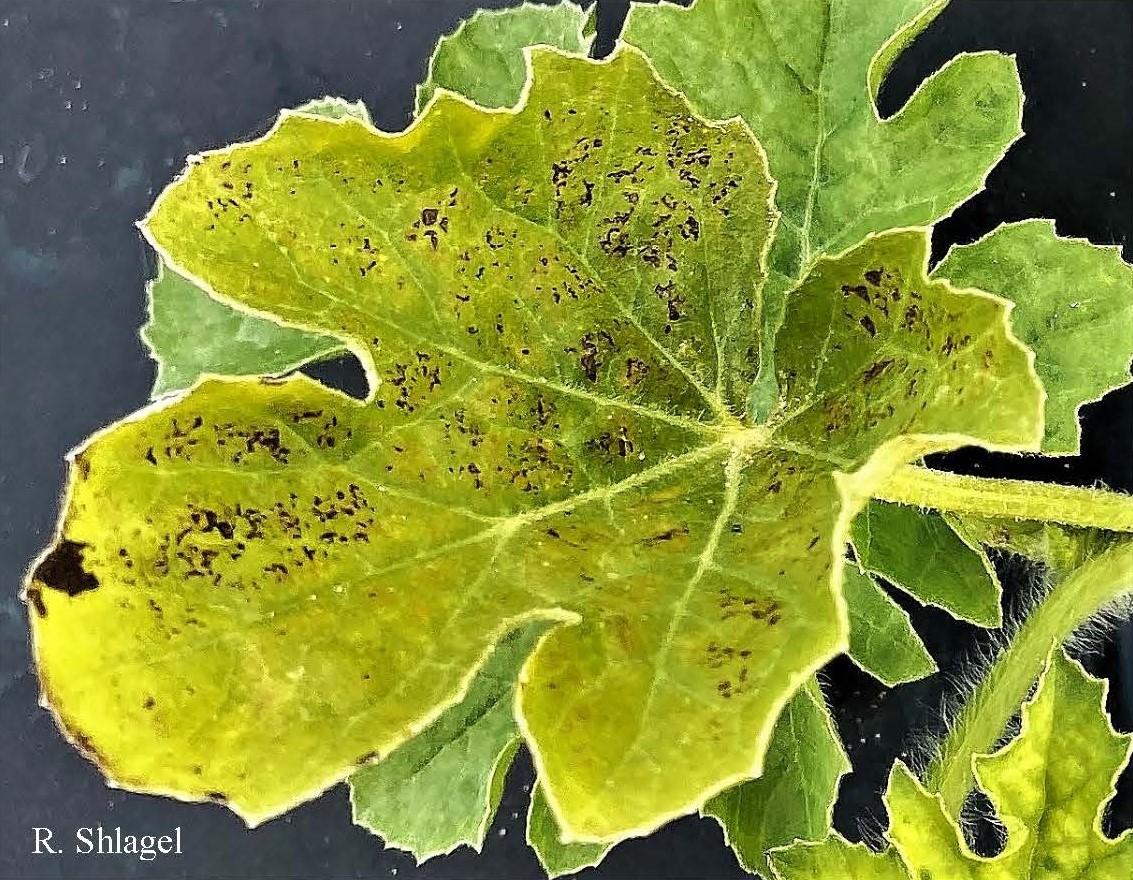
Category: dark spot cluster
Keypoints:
(327, 433)
(613, 443)
(432, 224)
(733, 605)
(533, 467)
(235, 191)
(408, 386)
(238, 443)
(593, 348)
(219, 544)
(733, 662)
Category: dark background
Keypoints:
(100, 102)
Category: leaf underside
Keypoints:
(441, 789)
(919, 552)
(882, 639)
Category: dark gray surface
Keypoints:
(100, 102)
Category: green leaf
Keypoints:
(190, 334)
(1048, 788)
(441, 789)
(794, 798)
(1061, 548)
(882, 639)
(917, 551)
(1073, 306)
(805, 77)
(483, 59)
(545, 837)
(551, 311)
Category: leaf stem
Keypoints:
(1016, 499)
(986, 713)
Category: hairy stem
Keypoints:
(984, 716)
(1017, 499)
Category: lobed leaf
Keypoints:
(805, 77)
(189, 334)
(1048, 787)
(794, 798)
(553, 311)
(1073, 306)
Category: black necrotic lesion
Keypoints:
(63, 570)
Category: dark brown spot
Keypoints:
(63, 570)
(35, 598)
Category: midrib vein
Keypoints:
(819, 146)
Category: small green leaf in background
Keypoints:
(545, 837)
(1060, 548)
(440, 790)
(882, 639)
(794, 798)
(332, 107)
(190, 334)
(483, 59)
(1073, 307)
(805, 76)
(918, 552)
(1048, 787)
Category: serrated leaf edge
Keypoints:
(475, 841)
(547, 869)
